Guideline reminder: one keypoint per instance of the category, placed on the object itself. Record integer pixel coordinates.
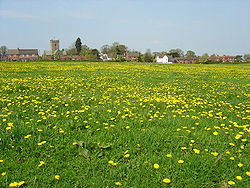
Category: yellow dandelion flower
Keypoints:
(21, 183)
(180, 161)
(41, 143)
(156, 166)
(248, 173)
(10, 124)
(57, 177)
(118, 183)
(169, 155)
(3, 173)
(41, 163)
(27, 136)
(238, 136)
(238, 177)
(240, 165)
(126, 156)
(1, 161)
(214, 154)
(231, 183)
(215, 133)
(8, 128)
(166, 180)
(14, 184)
(232, 158)
(196, 151)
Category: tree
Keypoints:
(3, 51)
(246, 56)
(78, 45)
(95, 52)
(118, 50)
(148, 56)
(190, 53)
(176, 53)
(105, 49)
(239, 58)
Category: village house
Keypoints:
(186, 60)
(106, 57)
(22, 54)
(163, 59)
(223, 59)
(132, 56)
(247, 59)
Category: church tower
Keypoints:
(54, 45)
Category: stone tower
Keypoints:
(54, 45)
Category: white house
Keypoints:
(162, 59)
(106, 57)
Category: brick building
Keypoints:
(22, 54)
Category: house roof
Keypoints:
(12, 52)
(22, 51)
(133, 54)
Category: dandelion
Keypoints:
(214, 154)
(27, 136)
(156, 166)
(57, 177)
(231, 183)
(126, 156)
(112, 163)
(238, 177)
(41, 143)
(16, 184)
(118, 183)
(3, 173)
(232, 158)
(238, 136)
(215, 133)
(1, 161)
(166, 180)
(169, 155)
(180, 161)
(41, 163)
(240, 165)
(196, 151)
(248, 173)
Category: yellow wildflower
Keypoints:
(169, 155)
(118, 183)
(156, 166)
(231, 183)
(238, 177)
(180, 161)
(166, 180)
(57, 177)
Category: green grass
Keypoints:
(91, 113)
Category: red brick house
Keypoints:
(224, 59)
(186, 60)
(132, 56)
(22, 54)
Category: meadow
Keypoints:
(92, 124)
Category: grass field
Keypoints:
(124, 125)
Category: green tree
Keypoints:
(148, 56)
(176, 53)
(78, 45)
(190, 53)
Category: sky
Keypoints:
(205, 26)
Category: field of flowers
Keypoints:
(124, 125)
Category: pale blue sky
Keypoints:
(212, 26)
